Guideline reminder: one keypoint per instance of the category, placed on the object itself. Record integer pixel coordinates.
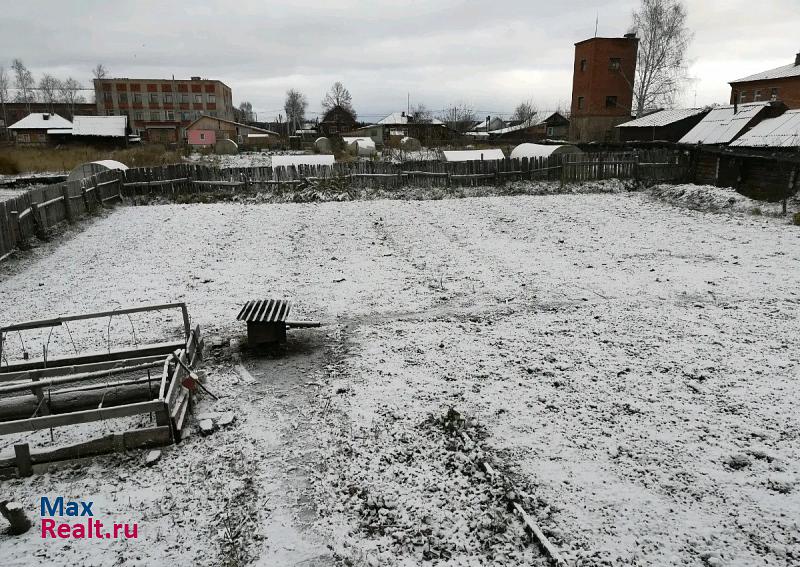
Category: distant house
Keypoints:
(663, 125)
(16, 111)
(206, 130)
(724, 124)
(336, 121)
(40, 128)
(554, 127)
(399, 125)
(489, 124)
(781, 83)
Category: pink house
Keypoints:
(201, 137)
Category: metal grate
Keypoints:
(265, 310)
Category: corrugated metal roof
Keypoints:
(41, 121)
(780, 132)
(110, 126)
(473, 155)
(663, 118)
(265, 310)
(790, 70)
(722, 125)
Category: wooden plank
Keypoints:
(103, 356)
(75, 369)
(94, 315)
(69, 379)
(87, 416)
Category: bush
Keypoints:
(756, 211)
(796, 219)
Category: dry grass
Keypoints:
(23, 160)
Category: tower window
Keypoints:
(580, 102)
(614, 64)
(611, 102)
(583, 65)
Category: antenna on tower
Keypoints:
(596, 22)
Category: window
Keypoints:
(185, 98)
(611, 102)
(109, 113)
(155, 116)
(137, 98)
(773, 95)
(212, 98)
(614, 64)
(549, 131)
(107, 96)
(583, 65)
(168, 98)
(153, 98)
(742, 97)
(580, 103)
(123, 98)
(202, 135)
(138, 115)
(185, 116)
(198, 98)
(757, 95)
(170, 115)
(212, 113)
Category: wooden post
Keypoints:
(67, 205)
(22, 456)
(39, 227)
(16, 229)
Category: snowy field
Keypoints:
(631, 363)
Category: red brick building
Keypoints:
(160, 109)
(602, 86)
(781, 84)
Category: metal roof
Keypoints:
(663, 118)
(780, 132)
(790, 70)
(722, 124)
(402, 118)
(41, 121)
(108, 126)
(473, 155)
(265, 310)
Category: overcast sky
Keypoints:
(489, 54)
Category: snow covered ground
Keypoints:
(630, 363)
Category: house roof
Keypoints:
(722, 124)
(780, 132)
(663, 118)
(41, 121)
(783, 72)
(107, 126)
(248, 126)
(402, 118)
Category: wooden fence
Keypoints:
(33, 213)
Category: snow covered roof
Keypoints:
(541, 150)
(302, 159)
(402, 118)
(473, 155)
(59, 130)
(41, 121)
(780, 132)
(663, 118)
(722, 125)
(791, 70)
(108, 126)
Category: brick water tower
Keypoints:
(602, 87)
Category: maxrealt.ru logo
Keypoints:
(88, 527)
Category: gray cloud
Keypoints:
(491, 54)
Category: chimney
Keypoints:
(630, 35)
(735, 102)
(797, 60)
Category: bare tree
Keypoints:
(295, 107)
(459, 116)
(526, 112)
(100, 72)
(338, 95)
(661, 62)
(246, 111)
(5, 81)
(23, 81)
(421, 114)
(49, 88)
(69, 93)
